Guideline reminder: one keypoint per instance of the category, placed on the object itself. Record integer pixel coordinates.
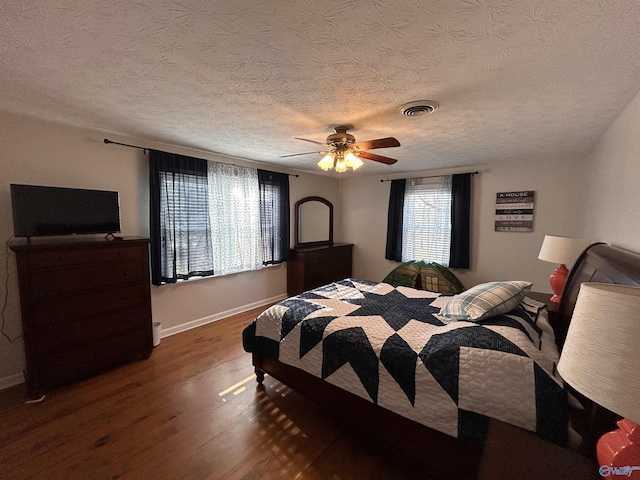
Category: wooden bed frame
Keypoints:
(445, 456)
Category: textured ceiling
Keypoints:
(515, 79)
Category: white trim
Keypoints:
(218, 316)
(11, 381)
(18, 378)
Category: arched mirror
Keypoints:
(313, 222)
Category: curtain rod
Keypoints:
(429, 176)
(146, 149)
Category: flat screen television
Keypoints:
(40, 210)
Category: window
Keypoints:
(210, 218)
(427, 222)
(430, 220)
(234, 215)
(184, 225)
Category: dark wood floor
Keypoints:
(191, 411)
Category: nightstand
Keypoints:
(554, 320)
(513, 453)
(545, 298)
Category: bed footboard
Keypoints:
(444, 456)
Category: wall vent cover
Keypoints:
(420, 107)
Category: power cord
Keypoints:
(6, 294)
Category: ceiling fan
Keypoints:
(343, 152)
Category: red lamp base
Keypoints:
(557, 280)
(619, 451)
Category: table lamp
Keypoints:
(563, 251)
(601, 360)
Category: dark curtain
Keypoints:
(460, 220)
(394, 220)
(179, 218)
(274, 216)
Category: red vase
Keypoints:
(619, 452)
(557, 280)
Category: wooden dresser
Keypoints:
(310, 267)
(86, 306)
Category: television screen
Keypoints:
(39, 210)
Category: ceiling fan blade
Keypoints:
(297, 154)
(312, 141)
(377, 158)
(379, 143)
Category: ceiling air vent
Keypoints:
(421, 107)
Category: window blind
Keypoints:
(427, 222)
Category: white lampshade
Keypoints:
(601, 355)
(562, 250)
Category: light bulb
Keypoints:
(349, 158)
(356, 163)
(326, 162)
(352, 160)
(341, 165)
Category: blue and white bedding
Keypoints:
(389, 346)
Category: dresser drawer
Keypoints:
(78, 278)
(58, 258)
(52, 336)
(312, 267)
(67, 309)
(120, 252)
(316, 259)
(68, 365)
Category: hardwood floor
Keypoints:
(191, 411)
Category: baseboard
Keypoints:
(11, 381)
(218, 316)
(18, 378)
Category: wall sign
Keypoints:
(514, 211)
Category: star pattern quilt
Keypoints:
(389, 346)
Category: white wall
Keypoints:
(559, 187)
(613, 200)
(44, 153)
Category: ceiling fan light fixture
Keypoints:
(327, 162)
(352, 161)
(344, 153)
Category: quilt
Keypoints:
(388, 345)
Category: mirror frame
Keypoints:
(321, 243)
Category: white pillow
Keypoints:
(485, 301)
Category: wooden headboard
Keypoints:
(605, 264)
(599, 263)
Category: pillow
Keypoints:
(485, 301)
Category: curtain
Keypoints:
(235, 218)
(461, 220)
(274, 216)
(427, 221)
(211, 218)
(394, 220)
(179, 218)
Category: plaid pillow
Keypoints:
(485, 301)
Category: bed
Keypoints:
(360, 370)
